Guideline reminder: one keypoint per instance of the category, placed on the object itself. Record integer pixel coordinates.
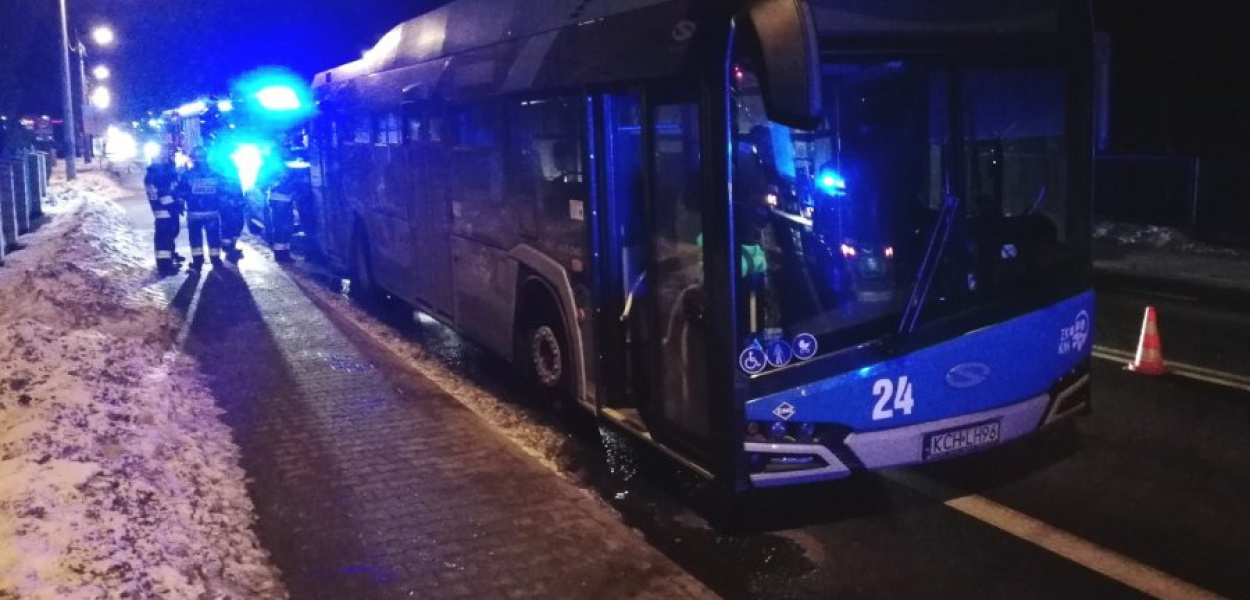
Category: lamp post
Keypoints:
(71, 145)
(91, 102)
(80, 50)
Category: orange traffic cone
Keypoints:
(1149, 360)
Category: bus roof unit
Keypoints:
(472, 48)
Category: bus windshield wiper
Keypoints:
(931, 263)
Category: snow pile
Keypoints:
(1157, 237)
(116, 477)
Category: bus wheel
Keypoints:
(547, 358)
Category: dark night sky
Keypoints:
(1178, 74)
(170, 51)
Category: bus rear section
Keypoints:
(914, 279)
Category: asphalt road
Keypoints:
(1143, 498)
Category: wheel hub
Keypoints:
(547, 356)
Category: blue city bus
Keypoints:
(784, 241)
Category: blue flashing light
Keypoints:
(832, 183)
(272, 99)
(225, 105)
(279, 98)
(248, 160)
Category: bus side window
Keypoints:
(476, 142)
(422, 124)
(476, 170)
(333, 129)
(543, 169)
(414, 125)
(361, 129)
(522, 162)
(549, 145)
(386, 129)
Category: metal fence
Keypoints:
(23, 187)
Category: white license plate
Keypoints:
(950, 442)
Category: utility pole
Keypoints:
(82, 96)
(71, 130)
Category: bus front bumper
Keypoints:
(905, 446)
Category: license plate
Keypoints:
(950, 442)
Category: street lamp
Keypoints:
(102, 98)
(91, 124)
(103, 36)
(71, 151)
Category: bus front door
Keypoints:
(655, 180)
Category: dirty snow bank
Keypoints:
(116, 477)
(1157, 237)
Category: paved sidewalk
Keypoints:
(371, 483)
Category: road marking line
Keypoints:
(1188, 371)
(1113, 565)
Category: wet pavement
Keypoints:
(370, 482)
(1152, 485)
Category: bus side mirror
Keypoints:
(790, 72)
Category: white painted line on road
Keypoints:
(1113, 565)
(1187, 371)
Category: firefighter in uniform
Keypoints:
(233, 218)
(202, 190)
(282, 199)
(304, 207)
(160, 181)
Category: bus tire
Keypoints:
(546, 358)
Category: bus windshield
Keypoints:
(927, 189)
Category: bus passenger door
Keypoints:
(390, 218)
(678, 412)
(655, 233)
(431, 212)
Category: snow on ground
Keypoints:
(1157, 237)
(117, 479)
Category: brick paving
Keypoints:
(372, 483)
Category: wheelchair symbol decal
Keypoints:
(753, 360)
